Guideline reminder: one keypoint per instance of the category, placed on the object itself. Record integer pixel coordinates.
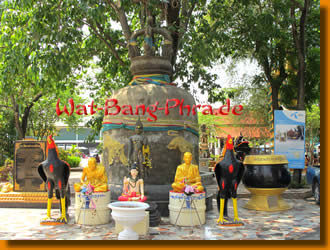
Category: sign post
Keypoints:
(289, 128)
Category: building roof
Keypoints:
(248, 132)
(247, 125)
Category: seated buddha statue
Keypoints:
(133, 189)
(187, 174)
(95, 175)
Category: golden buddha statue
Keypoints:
(95, 175)
(187, 174)
(133, 189)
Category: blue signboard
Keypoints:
(289, 131)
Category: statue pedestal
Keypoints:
(85, 215)
(141, 228)
(267, 199)
(181, 214)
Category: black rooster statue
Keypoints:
(229, 173)
(241, 149)
(55, 173)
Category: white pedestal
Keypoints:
(128, 213)
(187, 217)
(141, 228)
(89, 216)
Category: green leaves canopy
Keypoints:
(263, 30)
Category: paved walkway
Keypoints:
(303, 219)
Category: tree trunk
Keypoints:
(300, 43)
(301, 84)
(300, 46)
(18, 127)
(275, 90)
(173, 21)
(21, 126)
(297, 175)
(27, 113)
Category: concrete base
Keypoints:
(92, 216)
(142, 228)
(88, 216)
(267, 199)
(187, 216)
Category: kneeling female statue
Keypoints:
(133, 189)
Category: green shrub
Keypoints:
(74, 151)
(70, 157)
(73, 161)
(63, 155)
(6, 171)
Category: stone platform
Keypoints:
(301, 222)
(26, 200)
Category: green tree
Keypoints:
(299, 12)
(61, 38)
(267, 32)
(7, 134)
(103, 29)
(213, 125)
(35, 61)
(43, 117)
(250, 91)
(312, 130)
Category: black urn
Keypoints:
(266, 171)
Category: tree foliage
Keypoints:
(35, 61)
(43, 117)
(213, 125)
(7, 134)
(313, 124)
(58, 40)
(102, 29)
(263, 30)
(312, 130)
(47, 46)
(254, 100)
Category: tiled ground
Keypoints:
(304, 218)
